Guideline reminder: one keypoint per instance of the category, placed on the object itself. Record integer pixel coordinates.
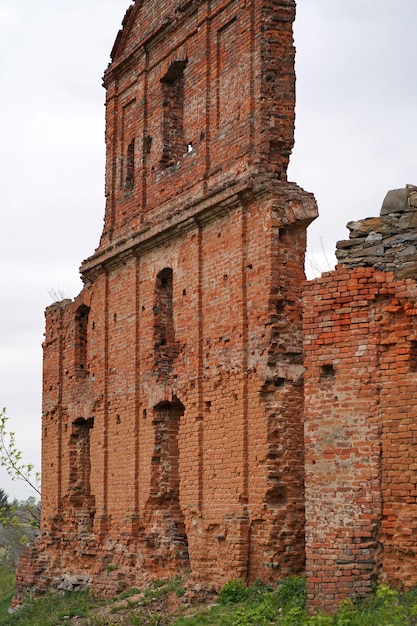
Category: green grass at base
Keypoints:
(237, 605)
(50, 610)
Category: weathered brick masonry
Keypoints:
(360, 337)
(173, 398)
(172, 388)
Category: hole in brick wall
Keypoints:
(219, 234)
(207, 406)
(276, 496)
(115, 317)
(81, 329)
(93, 325)
(273, 453)
(45, 432)
(225, 277)
(282, 232)
(118, 420)
(184, 292)
(145, 414)
(189, 147)
(249, 267)
(271, 384)
(327, 371)
(279, 306)
(279, 381)
(175, 72)
(412, 356)
(80, 422)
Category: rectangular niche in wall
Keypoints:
(165, 347)
(227, 76)
(173, 143)
(81, 337)
(129, 133)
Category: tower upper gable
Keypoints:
(200, 96)
(142, 20)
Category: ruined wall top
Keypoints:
(200, 100)
(145, 20)
(387, 242)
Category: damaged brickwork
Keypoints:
(196, 419)
(360, 337)
(173, 384)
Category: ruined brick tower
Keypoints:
(172, 392)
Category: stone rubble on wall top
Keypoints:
(400, 200)
(387, 242)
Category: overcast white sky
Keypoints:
(355, 139)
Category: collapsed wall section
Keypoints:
(360, 331)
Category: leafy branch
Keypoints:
(11, 457)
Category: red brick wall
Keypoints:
(173, 389)
(173, 392)
(237, 100)
(216, 484)
(359, 329)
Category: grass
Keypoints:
(237, 605)
(51, 610)
(286, 606)
(6, 589)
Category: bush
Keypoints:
(262, 615)
(233, 592)
(292, 593)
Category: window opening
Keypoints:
(173, 142)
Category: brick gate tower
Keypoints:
(172, 392)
